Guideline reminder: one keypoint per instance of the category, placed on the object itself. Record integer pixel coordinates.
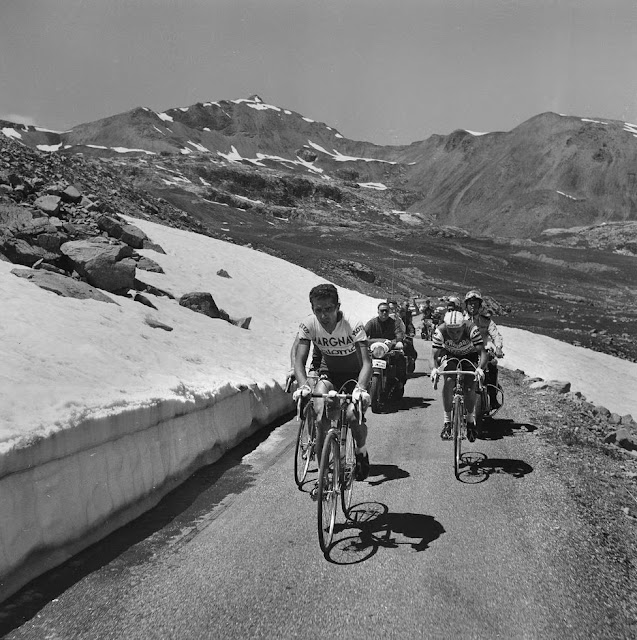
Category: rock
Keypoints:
(146, 264)
(307, 154)
(244, 323)
(62, 285)
(133, 236)
(614, 418)
(49, 204)
(112, 226)
(144, 300)
(559, 386)
(21, 252)
(602, 411)
(104, 264)
(71, 194)
(152, 246)
(223, 273)
(155, 324)
(540, 384)
(627, 420)
(148, 288)
(201, 302)
(531, 381)
(622, 438)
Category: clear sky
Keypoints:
(384, 71)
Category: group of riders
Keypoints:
(341, 359)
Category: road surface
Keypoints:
(234, 552)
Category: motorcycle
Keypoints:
(387, 384)
(490, 399)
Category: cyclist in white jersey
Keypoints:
(345, 365)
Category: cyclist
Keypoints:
(458, 338)
(427, 320)
(386, 328)
(345, 365)
(492, 338)
(315, 364)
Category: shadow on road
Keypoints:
(381, 473)
(477, 467)
(372, 526)
(498, 429)
(406, 404)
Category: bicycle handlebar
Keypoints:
(332, 394)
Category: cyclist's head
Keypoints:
(473, 297)
(324, 291)
(392, 305)
(454, 322)
(428, 302)
(453, 303)
(383, 311)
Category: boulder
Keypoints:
(222, 273)
(201, 302)
(71, 194)
(146, 264)
(49, 204)
(155, 324)
(144, 300)
(133, 236)
(106, 265)
(62, 285)
(19, 251)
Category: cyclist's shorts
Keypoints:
(343, 382)
(465, 366)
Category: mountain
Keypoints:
(550, 171)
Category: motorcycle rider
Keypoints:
(458, 338)
(492, 338)
(427, 319)
(345, 364)
(385, 327)
(408, 343)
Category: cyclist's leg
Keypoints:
(447, 401)
(322, 421)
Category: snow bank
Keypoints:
(603, 379)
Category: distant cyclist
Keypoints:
(490, 335)
(458, 338)
(345, 366)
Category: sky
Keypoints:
(383, 71)
(66, 360)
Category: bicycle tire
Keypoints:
(347, 470)
(457, 420)
(328, 491)
(479, 410)
(304, 451)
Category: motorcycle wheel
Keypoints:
(374, 392)
(398, 392)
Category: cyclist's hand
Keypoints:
(361, 394)
(434, 374)
(301, 392)
(480, 374)
(399, 345)
(498, 352)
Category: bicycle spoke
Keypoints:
(328, 490)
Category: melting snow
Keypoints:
(595, 121)
(207, 184)
(166, 117)
(125, 150)
(199, 147)
(339, 157)
(566, 195)
(11, 133)
(49, 147)
(477, 133)
(185, 151)
(160, 131)
(308, 120)
(373, 185)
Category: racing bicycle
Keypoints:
(337, 468)
(458, 411)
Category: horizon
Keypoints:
(384, 74)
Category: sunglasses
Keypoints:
(383, 311)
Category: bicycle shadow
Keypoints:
(381, 473)
(494, 429)
(477, 467)
(371, 526)
(406, 403)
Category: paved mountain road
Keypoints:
(492, 556)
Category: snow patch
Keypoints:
(166, 117)
(10, 132)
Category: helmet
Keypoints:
(454, 319)
(455, 301)
(474, 293)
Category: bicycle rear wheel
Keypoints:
(457, 420)
(328, 490)
(305, 445)
(348, 467)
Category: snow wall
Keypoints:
(62, 493)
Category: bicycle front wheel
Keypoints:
(457, 421)
(348, 468)
(328, 491)
(305, 440)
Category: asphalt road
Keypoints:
(234, 552)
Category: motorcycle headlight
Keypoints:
(379, 350)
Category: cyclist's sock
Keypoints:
(471, 417)
(362, 449)
(447, 416)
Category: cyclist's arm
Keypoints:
(293, 351)
(495, 336)
(302, 352)
(365, 373)
(484, 357)
(439, 354)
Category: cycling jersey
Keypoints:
(339, 347)
(469, 342)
